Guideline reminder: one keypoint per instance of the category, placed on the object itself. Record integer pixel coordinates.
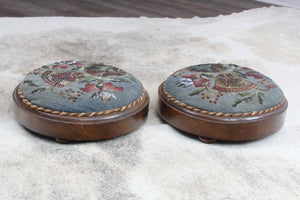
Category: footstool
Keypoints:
(80, 101)
(222, 102)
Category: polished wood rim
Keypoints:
(84, 128)
(213, 127)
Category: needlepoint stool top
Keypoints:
(222, 102)
(223, 88)
(80, 87)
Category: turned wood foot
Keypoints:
(62, 141)
(207, 140)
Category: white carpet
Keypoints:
(156, 161)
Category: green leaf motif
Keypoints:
(201, 68)
(260, 99)
(246, 100)
(244, 94)
(45, 67)
(38, 90)
(76, 68)
(208, 75)
(30, 83)
(261, 94)
(239, 74)
(195, 92)
(119, 80)
(88, 80)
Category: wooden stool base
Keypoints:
(211, 128)
(67, 128)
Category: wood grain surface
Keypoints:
(211, 128)
(67, 128)
(125, 8)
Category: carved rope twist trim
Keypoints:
(171, 98)
(55, 112)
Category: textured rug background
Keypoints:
(156, 161)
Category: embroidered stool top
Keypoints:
(81, 101)
(80, 87)
(222, 90)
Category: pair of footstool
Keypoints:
(85, 101)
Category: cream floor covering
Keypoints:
(156, 161)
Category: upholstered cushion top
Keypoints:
(80, 86)
(225, 88)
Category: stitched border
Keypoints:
(171, 98)
(55, 112)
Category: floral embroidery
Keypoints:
(212, 80)
(79, 63)
(90, 88)
(215, 68)
(95, 78)
(103, 70)
(103, 92)
(253, 73)
(61, 79)
(60, 66)
(232, 83)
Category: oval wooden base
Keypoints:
(213, 128)
(65, 128)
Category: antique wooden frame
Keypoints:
(211, 126)
(66, 127)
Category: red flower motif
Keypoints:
(60, 66)
(247, 69)
(255, 74)
(79, 63)
(199, 82)
(61, 79)
(190, 76)
(111, 87)
(106, 74)
(90, 88)
(107, 87)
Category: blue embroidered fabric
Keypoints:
(80, 86)
(226, 88)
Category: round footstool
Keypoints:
(222, 102)
(80, 101)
